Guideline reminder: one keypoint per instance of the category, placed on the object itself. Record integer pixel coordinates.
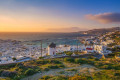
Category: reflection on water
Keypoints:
(37, 36)
(47, 38)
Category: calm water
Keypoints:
(47, 38)
(37, 36)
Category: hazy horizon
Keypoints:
(59, 32)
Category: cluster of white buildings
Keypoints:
(82, 48)
(11, 49)
(90, 45)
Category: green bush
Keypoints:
(8, 74)
(59, 78)
(72, 70)
(14, 59)
(29, 72)
(7, 66)
(103, 76)
(68, 59)
(111, 55)
(81, 61)
(46, 69)
(20, 65)
(42, 61)
(53, 67)
(68, 53)
(45, 77)
(117, 74)
(61, 66)
(54, 61)
(41, 57)
(1, 72)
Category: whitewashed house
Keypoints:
(89, 49)
(62, 48)
(98, 48)
(82, 47)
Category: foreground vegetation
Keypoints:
(101, 75)
(109, 68)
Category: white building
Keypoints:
(52, 49)
(89, 49)
(98, 48)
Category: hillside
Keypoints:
(100, 31)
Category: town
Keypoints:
(12, 51)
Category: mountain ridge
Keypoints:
(100, 31)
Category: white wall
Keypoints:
(51, 51)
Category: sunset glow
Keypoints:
(55, 15)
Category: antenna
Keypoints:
(77, 45)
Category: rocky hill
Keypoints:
(100, 31)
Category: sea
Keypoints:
(35, 38)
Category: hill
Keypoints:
(100, 31)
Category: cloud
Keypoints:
(105, 17)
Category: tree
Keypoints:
(14, 58)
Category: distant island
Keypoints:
(100, 31)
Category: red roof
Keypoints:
(89, 48)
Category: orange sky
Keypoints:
(34, 23)
(54, 15)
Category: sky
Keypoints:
(58, 15)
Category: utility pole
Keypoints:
(41, 48)
(77, 45)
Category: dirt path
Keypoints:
(55, 72)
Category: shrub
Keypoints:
(8, 74)
(14, 59)
(68, 53)
(53, 67)
(61, 66)
(46, 69)
(78, 77)
(91, 57)
(103, 75)
(18, 77)
(54, 61)
(59, 78)
(5, 78)
(68, 59)
(111, 55)
(29, 72)
(116, 67)
(72, 70)
(41, 61)
(7, 66)
(117, 74)
(20, 65)
(81, 61)
(1, 71)
(45, 77)
(41, 57)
